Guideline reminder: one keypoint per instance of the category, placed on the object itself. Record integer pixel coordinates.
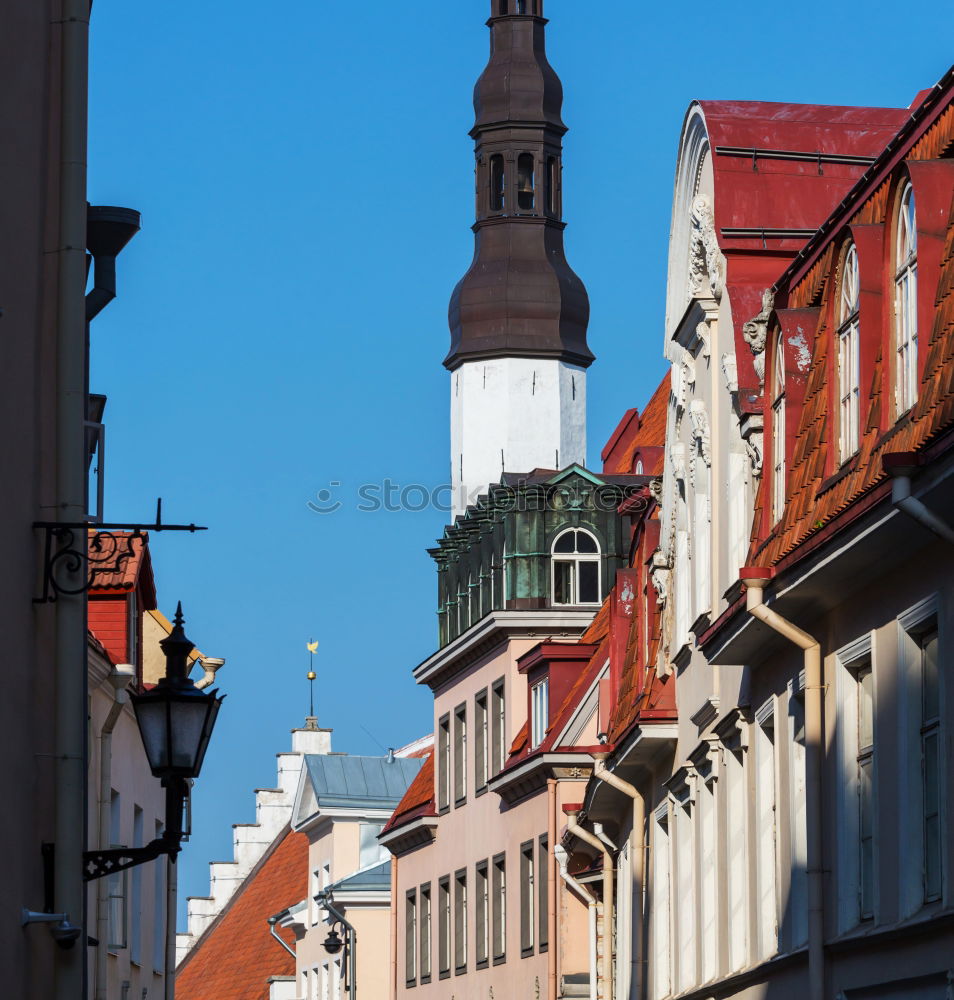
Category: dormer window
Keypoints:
(539, 711)
(778, 431)
(576, 568)
(906, 302)
(498, 194)
(848, 362)
(525, 182)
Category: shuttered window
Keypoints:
(481, 747)
(443, 928)
(498, 727)
(443, 763)
(543, 894)
(481, 914)
(410, 938)
(499, 894)
(527, 899)
(460, 754)
(424, 922)
(460, 922)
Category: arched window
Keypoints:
(778, 430)
(498, 196)
(848, 362)
(906, 302)
(638, 471)
(576, 568)
(525, 182)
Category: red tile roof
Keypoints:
(235, 957)
(649, 432)
(130, 572)
(418, 800)
(813, 501)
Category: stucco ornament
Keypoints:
(705, 339)
(755, 333)
(685, 377)
(700, 429)
(659, 574)
(656, 489)
(753, 445)
(677, 459)
(730, 372)
(706, 262)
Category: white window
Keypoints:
(539, 711)
(661, 923)
(778, 432)
(683, 590)
(576, 568)
(864, 776)
(736, 853)
(765, 801)
(849, 373)
(116, 885)
(701, 544)
(736, 500)
(797, 910)
(135, 930)
(685, 901)
(370, 852)
(931, 765)
(159, 909)
(906, 302)
(708, 869)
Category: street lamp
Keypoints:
(175, 721)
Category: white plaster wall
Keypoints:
(531, 410)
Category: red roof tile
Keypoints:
(418, 800)
(649, 432)
(235, 957)
(130, 572)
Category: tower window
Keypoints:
(576, 568)
(551, 182)
(521, 6)
(498, 198)
(525, 197)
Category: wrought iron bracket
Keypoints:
(97, 864)
(72, 560)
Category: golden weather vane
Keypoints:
(312, 648)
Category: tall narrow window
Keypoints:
(798, 895)
(482, 914)
(552, 179)
(460, 754)
(685, 900)
(481, 741)
(766, 799)
(443, 763)
(527, 901)
(848, 357)
(443, 926)
(906, 302)
(576, 568)
(543, 894)
(499, 893)
(931, 765)
(498, 727)
(116, 886)
(424, 921)
(778, 431)
(737, 859)
(865, 784)
(708, 869)
(525, 182)
(135, 930)
(159, 909)
(539, 711)
(498, 188)
(662, 906)
(460, 922)
(410, 937)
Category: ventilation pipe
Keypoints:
(588, 838)
(755, 580)
(638, 850)
(562, 860)
(119, 678)
(901, 466)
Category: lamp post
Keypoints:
(175, 721)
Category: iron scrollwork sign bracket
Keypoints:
(98, 864)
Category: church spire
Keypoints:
(520, 298)
(518, 317)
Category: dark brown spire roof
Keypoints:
(520, 297)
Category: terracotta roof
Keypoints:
(235, 957)
(130, 573)
(599, 627)
(651, 432)
(812, 501)
(418, 800)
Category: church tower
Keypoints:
(518, 317)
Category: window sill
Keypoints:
(444, 975)
(443, 810)
(425, 980)
(460, 802)
(482, 964)
(409, 984)
(527, 952)
(480, 791)
(460, 970)
(499, 959)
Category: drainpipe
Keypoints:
(588, 838)
(901, 466)
(271, 930)
(562, 859)
(70, 655)
(755, 580)
(210, 664)
(120, 678)
(551, 916)
(394, 924)
(638, 850)
(352, 970)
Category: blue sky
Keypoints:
(305, 179)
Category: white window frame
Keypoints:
(766, 798)
(778, 432)
(684, 900)
(797, 910)
(539, 711)
(849, 659)
(662, 888)
(906, 301)
(576, 559)
(736, 799)
(849, 369)
(912, 625)
(707, 826)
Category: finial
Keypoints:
(178, 620)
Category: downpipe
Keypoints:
(814, 690)
(608, 916)
(900, 466)
(638, 850)
(562, 860)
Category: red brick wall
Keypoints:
(108, 618)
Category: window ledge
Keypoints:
(480, 791)
(500, 959)
(482, 964)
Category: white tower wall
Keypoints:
(513, 415)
